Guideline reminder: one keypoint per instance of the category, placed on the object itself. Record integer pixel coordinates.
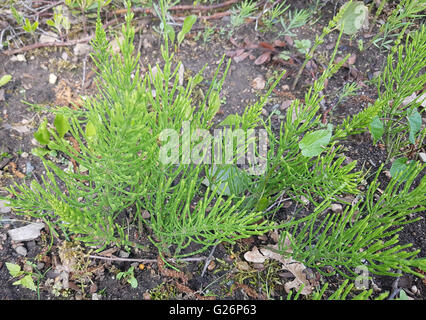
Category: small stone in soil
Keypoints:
(337, 208)
(27, 233)
(21, 251)
(52, 78)
(3, 207)
(123, 254)
(422, 156)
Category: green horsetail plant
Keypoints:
(364, 234)
(332, 25)
(390, 118)
(117, 165)
(303, 159)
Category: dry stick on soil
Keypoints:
(182, 7)
(55, 44)
(147, 260)
(209, 258)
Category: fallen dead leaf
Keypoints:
(241, 57)
(295, 267)
(263, 58)
(289, 40)
(254, 256)
(279, 43)
(14, 170)
(267, 46)
(298, 270)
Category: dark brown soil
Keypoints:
(30, 83)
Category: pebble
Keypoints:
(18, 58)
(24, 155)
(31, 245)
(95, 296)
(27, 233)
(265, 112)
(3, 207)
(52, 78)
(123, 254)
(422, 156)
(336, 208)
(414, 290)
(40, 265)
(21, 251)
(285, 104)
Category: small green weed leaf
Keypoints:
(414, 122)
(262, 204)
(18, 17)
(42, 135)
(90, 130)
(187, 26)
(402, 295)
(313, 143)
(61, 125)
(218, 176)
(356, 13)
(27, 282)
(5, 79)
(14, 269)
(39, 152)
(133, 282)
(170, 33)
(376, 128)
(50, 22)
(303, 45)
(400, 165)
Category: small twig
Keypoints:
(147, 260)
(217, 15)
(48, 44)
(55, 44)
(209, 258)
(181, 7)
(84, 73)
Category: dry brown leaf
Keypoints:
(288, 263)
(267, 45)
(279, 43)
(249, 44)
(241, 57)
(254, 256)
(263, 58)
(15, 171)
(295, 267)
(351, 60)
